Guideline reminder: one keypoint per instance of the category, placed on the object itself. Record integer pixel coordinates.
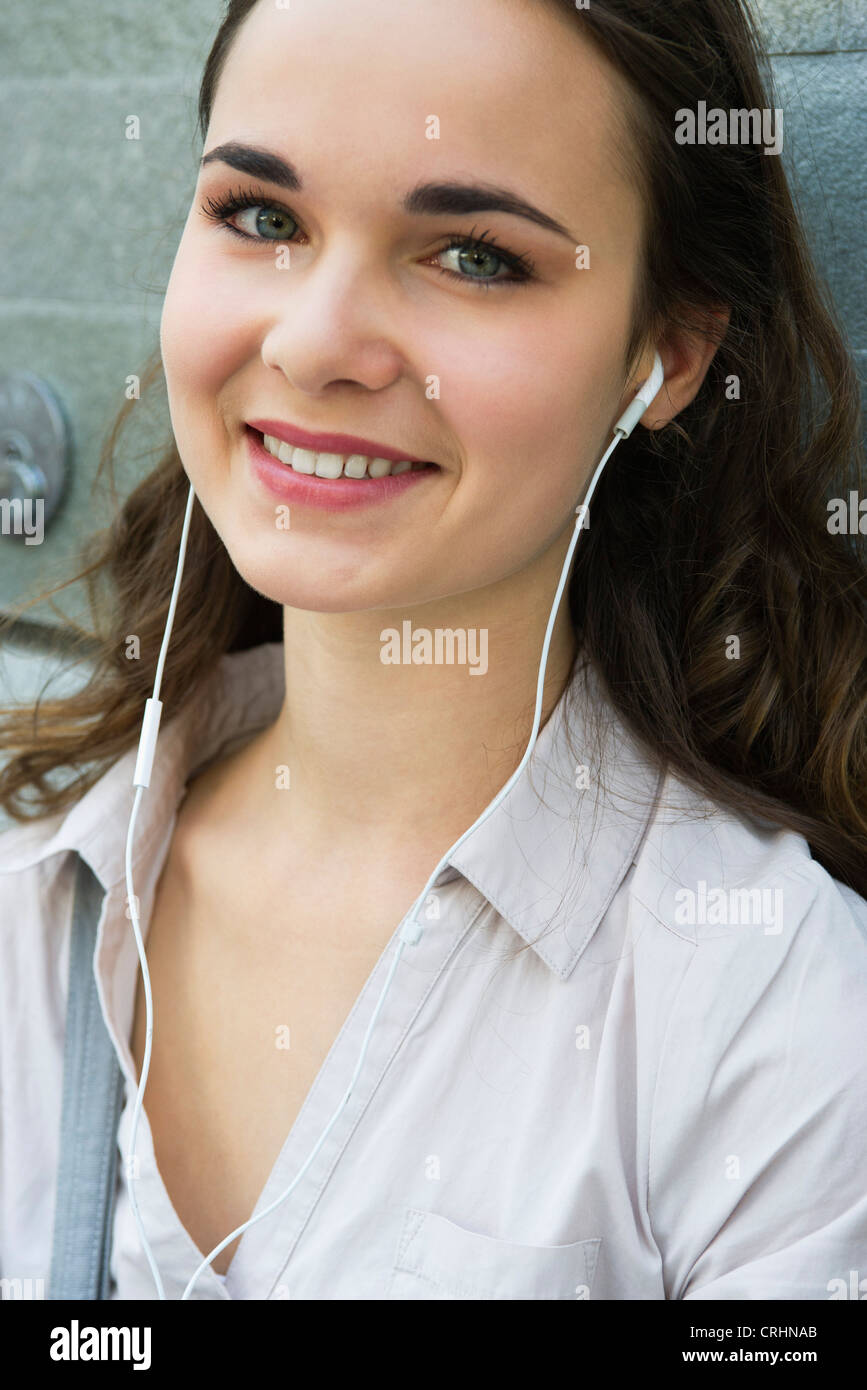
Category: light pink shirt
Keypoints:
(664, 1098)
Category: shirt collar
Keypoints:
(552, 862)
(549, 863)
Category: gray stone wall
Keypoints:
(89, 224)
(90, 220)
(819, 66)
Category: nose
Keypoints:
(333, 321)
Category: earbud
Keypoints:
(633, 413)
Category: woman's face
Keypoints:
(376, 328)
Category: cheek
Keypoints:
(531, 400)
(200, 335)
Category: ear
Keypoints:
(686, 356)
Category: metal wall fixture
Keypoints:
(35, 447)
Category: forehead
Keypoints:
(346, 91)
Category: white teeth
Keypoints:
(329, 465)
(302, 460)
(335, 465)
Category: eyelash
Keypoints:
(219, 210)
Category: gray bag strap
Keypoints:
(92, 1092)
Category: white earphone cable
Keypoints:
(411, 931)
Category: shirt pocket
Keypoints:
(437, 1259)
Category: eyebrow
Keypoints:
(431, 199)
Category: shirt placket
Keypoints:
(262, 1262)
(174, 1251)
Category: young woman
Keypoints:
(607, 1044)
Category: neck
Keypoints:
(400, 752)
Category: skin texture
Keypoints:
(274, 905)
(531, 381)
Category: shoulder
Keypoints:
(30, 852)
(36, 880)
(760, 1092)
(705, 872)
(36, 886)
(38, 866)
(772, 948)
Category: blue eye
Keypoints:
(282, 227)
(274, 221)
(221, 209)
(483, 247)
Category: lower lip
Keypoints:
(331, 494)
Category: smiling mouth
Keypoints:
(327, 465)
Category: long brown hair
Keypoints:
(714, 528)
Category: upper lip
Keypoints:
(331, 443)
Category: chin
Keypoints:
(310, 596)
